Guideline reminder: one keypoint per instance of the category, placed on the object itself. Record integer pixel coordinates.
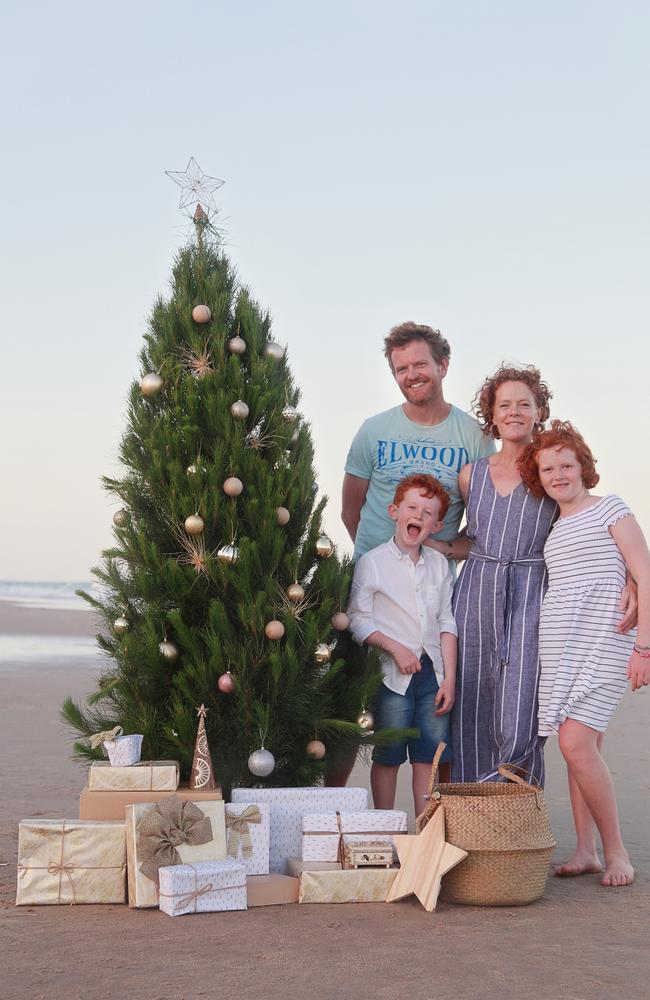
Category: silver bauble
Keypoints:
(274, 630)
(324, 547)
(274, 350)
(366, 721)
(194, 524)
(315, 749)
(239, 410)
(340, 621)
(168, 650)
(322, 653)
(283, 516)
(151, 384)
(120, 625)
(201, 314)
(236, 345)
(227, 553)
(232, 487)
(295, 592)
(121, 517)
(261, 762)
(290, 414)
(192, 470)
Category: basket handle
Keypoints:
(433, 780)
(509, 771)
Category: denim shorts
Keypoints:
(415, 709)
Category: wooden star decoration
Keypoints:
(424, 859)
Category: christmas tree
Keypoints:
(221, 589)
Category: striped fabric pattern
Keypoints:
(583, 659)
(497, 602)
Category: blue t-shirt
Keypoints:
(389, 447)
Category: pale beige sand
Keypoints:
(581, 942)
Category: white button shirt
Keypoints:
(407, 601)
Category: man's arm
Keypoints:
(354, 496)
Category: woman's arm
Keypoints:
(632, 545)
(460, 546)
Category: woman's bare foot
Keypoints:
(580, 864)
(618, 871)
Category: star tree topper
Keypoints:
(197, 187)
(424, 859)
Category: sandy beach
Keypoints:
(580, 942)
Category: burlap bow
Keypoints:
(238, 831)
(166, 826)
(97, 739)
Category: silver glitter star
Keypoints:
(196, 186)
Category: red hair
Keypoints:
(562, 434)
(428, 486)
(485, 398)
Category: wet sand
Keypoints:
(581, 942)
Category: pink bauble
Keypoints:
(232, 486)
(201, 314)
(226, 683)
(316, 749)
(274, 629)
(340, 621)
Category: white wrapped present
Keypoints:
(124, 751)
(325, 835)
(287, 808)
(204, 887)
(248, 835)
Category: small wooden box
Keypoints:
(369, 854)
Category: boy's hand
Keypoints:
(445, 698)
(407, 662)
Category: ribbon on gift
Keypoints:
(109, 735)
(166, 826)
(238, 831)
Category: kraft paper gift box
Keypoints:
(174, 831)
(70, 861)
(271, 890)
(112, 805)
(247, 835)
(147, 776)
(327, 882)
(289, 805)
(324, 835)
(203, 887)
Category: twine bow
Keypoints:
(58, 868)
(169, 824)
(193, 896)
(239, 832)
(97, 739)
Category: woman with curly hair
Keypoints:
(585, 660)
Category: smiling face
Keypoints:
(515, 412)
(417, 372)
(560, 473)
(416, 517)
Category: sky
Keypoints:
(481, 167)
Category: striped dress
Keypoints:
(584, 660)
(497, 602)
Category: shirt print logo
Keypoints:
(420, 454)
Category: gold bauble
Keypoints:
(121, 517)
(290, 414)
(120, 625)
(194, 524)
(201, 314)
(283, 515)
(227, 553)
(295, 592)
(340, 621)
(274, 350)
(239, 410)
(232, 487)
(324, 547)
(366, 721)
(168, 650)
(315, 749)
(322, 653)
(237, 345)
(274, 630)
(151, 384)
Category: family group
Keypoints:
(536, 635)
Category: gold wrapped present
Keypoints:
(70, 861)
(147, 776)
(327, 882)
(171, 832)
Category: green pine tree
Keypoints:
(182, 442)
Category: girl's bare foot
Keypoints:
(618, 871)
(580, 864)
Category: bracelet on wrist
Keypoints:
(642, 652)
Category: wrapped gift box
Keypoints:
(148, 776)
(170, 848)
(112, 805)
(326, 882)
(203, 887)
(324, 835)
(70, 861)
(289, 805)
(247, 835)
(271, 890)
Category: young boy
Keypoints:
(400, 603)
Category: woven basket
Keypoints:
(506, 830)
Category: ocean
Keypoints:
(22, 645)
(58, 595)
